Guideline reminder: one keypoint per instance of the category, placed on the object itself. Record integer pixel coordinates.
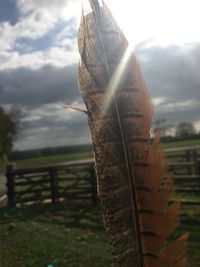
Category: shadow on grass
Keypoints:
(80, 215)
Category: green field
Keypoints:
(68, 236)
(48, 160)
(194, 142)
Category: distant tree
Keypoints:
(17, 115)
(9, 128)
(185, 129)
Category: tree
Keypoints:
(185, 129)
(8, 132)
(17, 114)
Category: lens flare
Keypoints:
(115, 80)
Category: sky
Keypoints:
(39, 57)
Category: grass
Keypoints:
(35, 162)
(67, 236)
(48, 160)
(192, 142)
(71, 237)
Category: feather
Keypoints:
(75, 108)
(133, 186)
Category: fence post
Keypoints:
(198, 166)
(93, 186)
(54, 186)
(189, 159)
(10, 185)
(195, 160)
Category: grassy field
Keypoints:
(68, 236)
(53, 159)
(62, 236)
(48, 160)
(194, 142)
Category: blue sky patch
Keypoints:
(8, 11)
(25, 45)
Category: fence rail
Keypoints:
(77, 180)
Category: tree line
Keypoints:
(182, 129)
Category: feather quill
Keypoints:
(132, 183)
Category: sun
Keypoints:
(159, 22)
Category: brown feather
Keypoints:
(132, 183)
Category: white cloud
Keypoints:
(47, 110)
(52, 8)
(28, 27)
(182, 106)
(31, 118)
(56, 56)
(61, 57)
(8, 36)
(62, 39)
(33, 26)
(38, 18)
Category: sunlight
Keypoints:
(112, 87)
(162, 22)
(158, 100)
(197, 125)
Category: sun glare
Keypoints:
(160, 22)
(112, 87)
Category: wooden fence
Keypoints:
(76, 180)
(52, 183)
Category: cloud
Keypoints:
(33, 88)
(54, 56)
(173, 76)
(45, 33)
(29, 27)
(38, 92)
(58, 47)
(63, 34)
(52, 125)
(52, 8)
(37, 79)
